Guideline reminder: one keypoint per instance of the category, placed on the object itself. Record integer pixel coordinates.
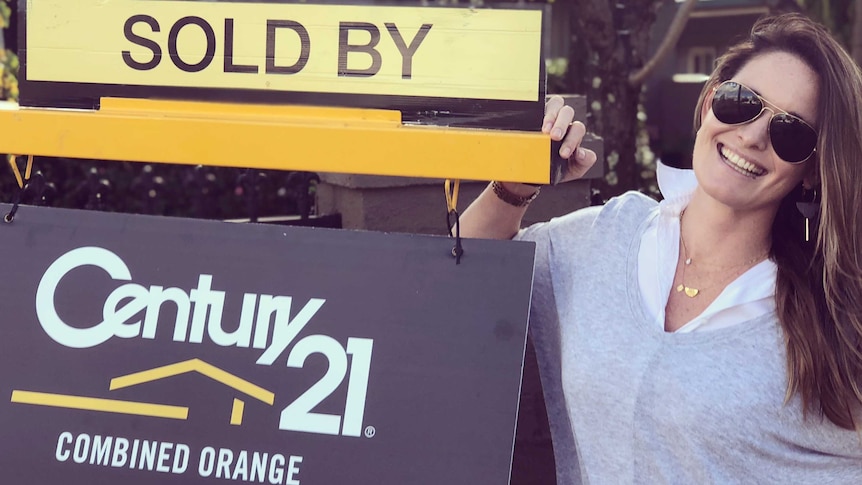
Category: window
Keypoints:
(700, 60)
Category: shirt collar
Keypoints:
(677, 187)
(675, 182)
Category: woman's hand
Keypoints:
(491, 216)
(558, 123)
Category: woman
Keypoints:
(703, 339)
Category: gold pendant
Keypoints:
(689, 292)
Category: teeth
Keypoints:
(742, 165)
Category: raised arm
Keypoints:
(499, 209)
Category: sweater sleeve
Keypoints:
(562, 246)
(545, 333)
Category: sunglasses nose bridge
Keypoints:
(772, 114)
(752, 132)
(764, 106)
(760, 114)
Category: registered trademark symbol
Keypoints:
(370, 432)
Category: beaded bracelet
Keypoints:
(508, 197)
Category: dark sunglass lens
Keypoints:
(792, 139)
(733, 104)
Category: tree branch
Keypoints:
(668, 43)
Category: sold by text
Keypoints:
(176, 458)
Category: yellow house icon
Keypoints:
(150, 409)
(209, 370)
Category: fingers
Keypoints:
(552, 107)
(581, 162)
(573, 139)
(580, 158)
(557, 118)
(558, 122)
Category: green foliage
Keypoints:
(557, 68)
(164, 189)
(8, 59)
(9, 68)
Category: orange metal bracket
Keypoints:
(318, 139)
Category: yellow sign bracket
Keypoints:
(23, 182)
(13, 163)
(316, 139)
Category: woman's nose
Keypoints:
(755, 134)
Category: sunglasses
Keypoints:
(793, 140)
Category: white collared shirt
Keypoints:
(750, 295)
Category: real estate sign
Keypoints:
(143, 350)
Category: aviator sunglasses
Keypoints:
(793, 140)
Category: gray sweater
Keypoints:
(629, 403)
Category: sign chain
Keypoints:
(451, 189)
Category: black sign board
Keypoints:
(142, 350)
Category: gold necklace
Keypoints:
(689, 291)
(692, 292)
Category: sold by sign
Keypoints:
(424, 52)
(146, 350)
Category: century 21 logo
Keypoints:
(200, 309)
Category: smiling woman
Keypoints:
(707, 338)
(818, 293)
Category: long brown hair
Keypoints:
(819, 285)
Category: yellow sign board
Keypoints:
(492, 54)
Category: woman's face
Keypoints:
(736, 165)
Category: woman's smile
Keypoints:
(738, 163)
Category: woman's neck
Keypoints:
(717, 234)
